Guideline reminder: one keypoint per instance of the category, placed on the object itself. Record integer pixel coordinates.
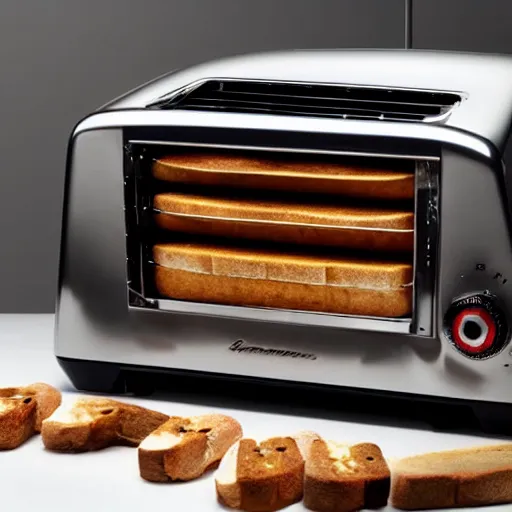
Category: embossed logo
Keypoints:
(240, 347)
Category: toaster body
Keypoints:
(332, 218)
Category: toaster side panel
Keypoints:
(91, 307)
(475, 264)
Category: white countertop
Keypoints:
(33, 479)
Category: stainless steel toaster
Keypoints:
(440, 118)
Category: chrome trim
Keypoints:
(187, 89)
(425, 247)
(203, 145)
(142, 87)
(167, 118)
(421, 326)
(175, 97)
(399, 326)
(441, 118)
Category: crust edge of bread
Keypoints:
(417, 490)
(263, 174)
(104, 422)
(183, 285)
(183, 449)
(25, 408)
(334, 480)
(247, 488)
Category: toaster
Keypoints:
(335, 219)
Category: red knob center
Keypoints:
(474, 330)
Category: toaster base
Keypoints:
(364, 406)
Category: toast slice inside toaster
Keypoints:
(267, 278)
(314, 177)
(279, 221)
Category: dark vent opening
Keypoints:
(314, 100)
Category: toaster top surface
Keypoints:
(482, 81)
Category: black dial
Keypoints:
(476, 326)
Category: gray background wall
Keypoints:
(60, 59)
(464, 25)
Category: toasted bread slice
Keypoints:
(22, 411)
(263, 278)
(94, 423)
(456, 478)
(184, 448)
(344, 478)
(320, 177)
(354, 227)
(264, 476)
(304, 440)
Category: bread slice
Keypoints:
(91, 424)
(371, 229)
(241, 277)
(185, 448)
(291, 174)
(304, 440)
(263, 476)
(22, 411)
(344, 478)
(457, 478)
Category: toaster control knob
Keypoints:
(476, 326)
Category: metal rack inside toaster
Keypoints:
(280, 223)
(139, 230)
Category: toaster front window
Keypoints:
(255, 229)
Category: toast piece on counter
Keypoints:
(345, 478)
(260, 278)
(371, 229)
(263, 476)
(457, 478)
(320, 177)
(304, 440)
(91, 424)
(22, 411)
(184, 448)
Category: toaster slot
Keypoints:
(245, 229)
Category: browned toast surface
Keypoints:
(22, 411)
(94, 423)
(285, 222)
(285, 281)
(456, 478)
(284, 174)
(261, 477)
(331, 271)
(184, 448)
(344, 478)
(286, 212)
